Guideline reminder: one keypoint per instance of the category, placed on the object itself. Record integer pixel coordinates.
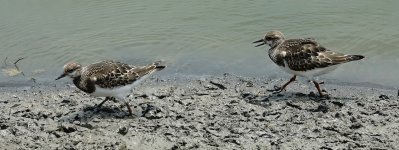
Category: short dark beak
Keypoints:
(258, 41)
(61, 76)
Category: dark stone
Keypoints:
(219, 85)
(320, 108)
(142, 96)
(360, 104)
(3, 126)
(232, 141)
(326, 148)
(151, 112)
(300, 94)
(338, 103)
(179, 117)
(293, 105)
(244, 95)
(123, 130)
(312, 94)
(161, 96)
(66, 129)
(65, 101)
(383, 97)
(356, 126)
(86, 125)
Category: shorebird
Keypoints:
(110, 79)
(302, 57)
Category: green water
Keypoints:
(197, 37)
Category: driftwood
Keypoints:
(16, 66)
(5, 62)
(12, 71)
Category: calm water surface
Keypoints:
(197, 37)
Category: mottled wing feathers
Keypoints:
(110, 74)
(307, 54)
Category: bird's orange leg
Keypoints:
(280, 89)
(318, 88)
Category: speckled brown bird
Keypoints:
(303, 57)
(110, 79)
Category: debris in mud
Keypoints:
(123, 130)
(12, 71)
(293, 105)
(66, 129)
(151, 111)
(87, 125)
(300, 94)
(321, 108)
(38, 71)
(383, 97)
(219, 85)
(221, 119)
(339, 104)
(3, 126)
(356, 126)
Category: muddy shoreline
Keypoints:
(222, 112)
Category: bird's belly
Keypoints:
(309, 74)
(118, 92)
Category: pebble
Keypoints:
(123, 130)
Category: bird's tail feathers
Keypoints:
(355, 57)
(159, 65)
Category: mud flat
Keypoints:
(223, 112)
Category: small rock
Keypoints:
(300, 94)
(360, 104)
(77, 122)
(233, 102)
(87, 125)
(3, 126)
(279, 95)
(248, 96)
(312, 94)
(152, 112)
(66, 129)
(232, 141)
(293, 105)
(246, 114)
(123, 130)
(219, 85)
(383, 97)
(65, 101)
(321, 108)
(326, 148)
(356, 126)
(338, 103)
(96, 120)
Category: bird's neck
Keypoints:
(273, 51)
(76, 74)
(276, 43)
(84, 84)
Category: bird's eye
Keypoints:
(70, 71)
(268, 38)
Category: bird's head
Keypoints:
(272, 38)
(71, 69)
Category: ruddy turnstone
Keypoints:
(303, 57)
(109, 79)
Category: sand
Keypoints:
(222, 112)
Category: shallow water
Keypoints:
(197, 37)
